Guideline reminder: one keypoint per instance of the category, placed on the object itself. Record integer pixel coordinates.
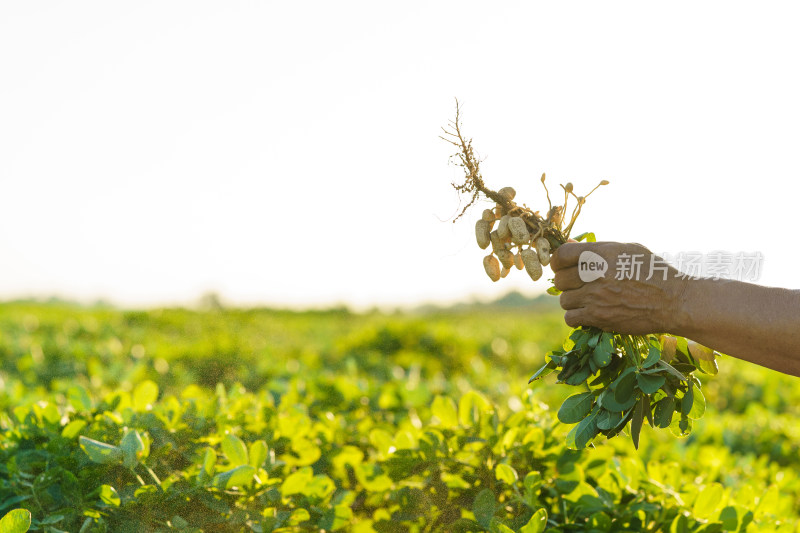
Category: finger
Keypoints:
(567, 279)
(571, 300)
(581, 316)
(575, 318)
(567, 255)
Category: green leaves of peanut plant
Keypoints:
(16, 521)
(576, 407)
(650, 383)
(630, 380)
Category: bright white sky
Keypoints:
(287, 153)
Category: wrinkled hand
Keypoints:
(623, 300)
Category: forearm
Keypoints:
(750, 322)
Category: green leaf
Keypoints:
(484, 507)
(688, 400)
(51, 519)
(506, 474)
(681, 426)
(553, 291)
(581, 336)
(569, 440)
(299, 515)
(586, 431)
(671, 370)
(608, 401)
(235, 449)
(542, 372)
(705, 358)
(709, 498)
(78, 397)
(100, 452)
(698, 408)
(537, 523)
(16, 521)
(649, 383)
(257, 453)
(72, 429)
(145, 395)
(295, 483)
(372, 477)
(603, 351)
(471, 406)
(638, 418)
(444, 408)
(608, 419)
(241, 476)
(209, 463)
(679, 525)
(665, 408)
(653, 356)
(321, 487)
(579, 376)
(533, 484)
(576, 407)
(336, 518)
(682, 345)
(733, 518)
(587, 236)
(133, 448)
(623, 387)
(144, 490)
(108, 495)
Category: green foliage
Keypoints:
(631, 379)
(339, 422)
(16, 521)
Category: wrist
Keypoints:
(678, 313)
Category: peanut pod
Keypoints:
(502, 227)
(492, 267)
(482, 233)
(506, 258)
(508, 193)
(518, 261)
(497, 242)
(532, 265)
(519, 230)
(543, 247)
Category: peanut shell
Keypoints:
(508, 193)
(506, 258)
(518, 261)
(482, 233)
(492, 267)
(502, 227)
(519, 230)
(543, 247)
(532, 265)
(497, 242)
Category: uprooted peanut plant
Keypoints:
(628, 378)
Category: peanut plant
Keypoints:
(628, 378)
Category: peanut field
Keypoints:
(262, 420)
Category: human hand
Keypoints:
(623, 300)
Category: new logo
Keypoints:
(591, 266)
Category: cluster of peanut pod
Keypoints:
(513, 245)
